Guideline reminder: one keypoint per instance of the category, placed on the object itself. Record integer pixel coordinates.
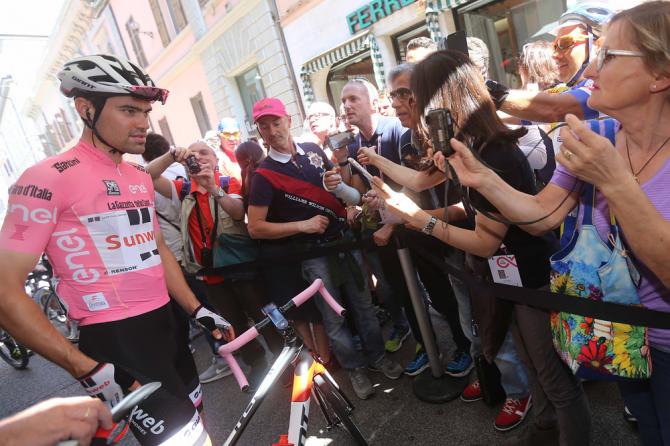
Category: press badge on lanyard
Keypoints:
(504, 269)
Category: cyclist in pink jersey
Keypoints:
(93, 214)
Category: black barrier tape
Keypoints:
(314, 252)
(626, 314)
(546, 300)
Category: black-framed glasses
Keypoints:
(401, 94)
(606, 54)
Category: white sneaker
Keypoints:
(219, 369)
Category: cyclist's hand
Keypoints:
(213, 322)
(315, 225)
(108, 383)
(331, 179)
(47, 423)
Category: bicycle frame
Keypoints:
(307, 368)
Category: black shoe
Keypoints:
(532, 435)
(629, 417)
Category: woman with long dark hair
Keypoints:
(448, 80)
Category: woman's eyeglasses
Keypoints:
(565, 43)
(402, 94)
(606, 54)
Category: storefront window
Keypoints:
(506, 26)
(400, 40)
(250, 85)
(340, 74)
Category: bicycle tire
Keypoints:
(57, 315)
(19, 359)
(340, 408)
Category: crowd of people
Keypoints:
(563, 179)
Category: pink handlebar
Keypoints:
(226, 350)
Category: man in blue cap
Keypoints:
(229, 136)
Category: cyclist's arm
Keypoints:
(541, 107)
(21, 317)
(176, 284)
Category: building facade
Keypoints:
(365, 38)
(217, 57)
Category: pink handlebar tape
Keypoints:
(226, 350)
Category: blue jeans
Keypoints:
(513, 376)
(456, 258)
(359, 304)
(385, 292)
(649, 400)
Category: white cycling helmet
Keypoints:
(592, 15)
(105, 75)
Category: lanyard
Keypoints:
(199, 217)
(378, 150)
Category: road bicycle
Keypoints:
(56, 312)
(12, 352)
(310, 379)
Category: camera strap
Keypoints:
(200, 225)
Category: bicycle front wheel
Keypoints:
(14, 354)
(336, 404)
(57, 315)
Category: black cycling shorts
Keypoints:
(149, 348)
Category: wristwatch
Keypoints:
(220, 193)
(428, 229)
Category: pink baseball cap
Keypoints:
(268, 107)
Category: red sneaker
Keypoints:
(472, 393)
(512, 413)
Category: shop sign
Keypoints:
(374, 11)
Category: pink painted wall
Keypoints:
(178, 109)
(190, 81)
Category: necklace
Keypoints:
(635, 174)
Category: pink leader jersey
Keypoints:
(96, 221)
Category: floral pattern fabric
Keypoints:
(588, 268)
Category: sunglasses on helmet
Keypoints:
(149, 93)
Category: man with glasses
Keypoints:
(321, 120)
(574, 47)
(229, 137)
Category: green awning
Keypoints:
(351, 47)
(363, 42)
(450, 4)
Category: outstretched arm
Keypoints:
(412, 179)
(541, 107)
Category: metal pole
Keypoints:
(421, 312)
(287, 57)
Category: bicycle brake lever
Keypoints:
(133, 399)
(124, 407)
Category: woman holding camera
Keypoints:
(631, 78)
(448, 80)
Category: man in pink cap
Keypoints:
(289, 208)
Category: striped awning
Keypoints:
(450, 4)
(432, 21)
(349, 48)
(363, 42)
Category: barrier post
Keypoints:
(432, 385)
